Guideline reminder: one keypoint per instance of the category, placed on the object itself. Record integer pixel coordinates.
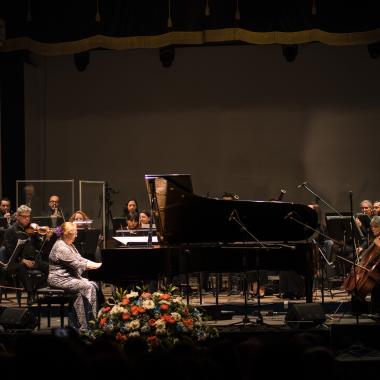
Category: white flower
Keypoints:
(134, 334)
(164, 302)
(132, 294)
(176, 316)
(134, 325)
(148, 304)
(145, 328)
(160, 331)
(117, 310)
(178, 300)
(160, 324)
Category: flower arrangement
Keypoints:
(161, 318)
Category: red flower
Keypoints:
(168, 318)
(188, 322)
(125, 301)
(151, 322)
(152, 340)
(165, 296)
(134, 310)
(106, 309)
(164, 306)
(121, 337)
(125, 316)
(103, 321)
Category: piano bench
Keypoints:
(51, 296)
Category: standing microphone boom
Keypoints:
(302, 185)
(63, 216)
(232, 215)
(288, 215)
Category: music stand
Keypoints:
(46, 220)
(15, 254)
(118, 223)
(87, 242)
(341, 227)
(3, 223)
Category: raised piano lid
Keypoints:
(182, 217)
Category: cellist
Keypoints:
(375, 293)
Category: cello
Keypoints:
(366, 274)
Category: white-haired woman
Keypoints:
(66, 266)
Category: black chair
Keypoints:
(4, 266)
(52, 296)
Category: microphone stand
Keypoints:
(319, 198)
(152, 203)
(319, 250)
(235, 218)
(355, 293)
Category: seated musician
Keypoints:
(66, 267)
(133, 221)
(144, 219)
(30, 257)
(376, 208)
(374, 245)
(78, 218)
(131, 207)
(366, 209)
(55, 212)
(83, 222)
(5, 210)
(375, 294)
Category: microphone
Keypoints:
(288, 215)
(302, 185)
(63, 216)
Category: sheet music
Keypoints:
(134, 239)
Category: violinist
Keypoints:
(30, 256)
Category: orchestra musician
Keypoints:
(376, 208)
(5, 209)
(79, 217)
(132, 220)
(55, 211)
(144, 219)
(366, 209)
(373, 249)
(30, 256)
(131, 207)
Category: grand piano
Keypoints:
(198, 234)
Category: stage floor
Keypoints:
(231, 309)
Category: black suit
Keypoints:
(30, 251)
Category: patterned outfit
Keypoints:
(66, 266)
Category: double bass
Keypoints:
(365, 274)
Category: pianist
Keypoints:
(66, 267)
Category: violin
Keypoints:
(34, 228)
